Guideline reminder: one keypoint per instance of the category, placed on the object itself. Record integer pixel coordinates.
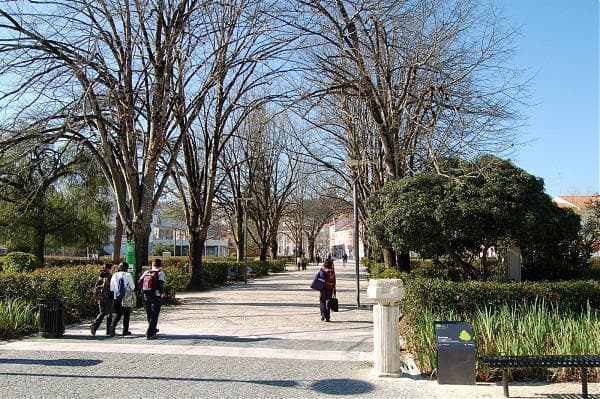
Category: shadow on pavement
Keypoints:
(54, 362)
(219, 338)
(275, 383)
(342, 386)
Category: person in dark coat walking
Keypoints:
(104, 297)
(328, 289)
(152, 284)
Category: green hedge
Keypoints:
(464, 298)
(74, 283)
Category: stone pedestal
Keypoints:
(387, 292)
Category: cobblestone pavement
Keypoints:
(260, 340)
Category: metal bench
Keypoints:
(543, 361)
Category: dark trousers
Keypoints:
(118, 311)
(104, 309)
(152, 305)
(324, 301)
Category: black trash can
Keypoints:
(455, 353)
(52, 316)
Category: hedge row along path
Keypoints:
(264, 339)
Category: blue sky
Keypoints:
(558, 46)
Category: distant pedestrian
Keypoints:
(299, 262)
(120, 284)
(344, 259)
(303, 262)
(327, 271)
(152, 284)
(104, 297)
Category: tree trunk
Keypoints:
(484, 268)
(195, 259)
(117, 240)
(404, 261)
(389, 257)
(141, 237)
(311, 250)
(274, 249)
(263, 253)
(39, 243)
(458, 260)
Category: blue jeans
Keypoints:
(152, 305)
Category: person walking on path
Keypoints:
(120, 283)
(104, 297)
(328, 289)
(152, 284)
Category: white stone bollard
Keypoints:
(387, 292)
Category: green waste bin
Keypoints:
(52, 316)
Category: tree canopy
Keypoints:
(488, 202)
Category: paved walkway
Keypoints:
(263, 339)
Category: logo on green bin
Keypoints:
(464, 336)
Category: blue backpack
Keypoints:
(120, 291)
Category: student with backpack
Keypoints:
(120, 284)
(104, 297)
(152, 284)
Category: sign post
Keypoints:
(455, 352)
(130, 257)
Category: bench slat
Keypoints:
(542, 361)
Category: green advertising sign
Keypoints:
(130, 257)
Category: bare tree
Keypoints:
(103, 73)
(243, 44)
(430, 73)
(272, 175)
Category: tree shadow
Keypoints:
(342, 386)
(274, 383)
(54, 362)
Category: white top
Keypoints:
(129, 284)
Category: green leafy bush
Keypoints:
(176, 280)
(20, 262)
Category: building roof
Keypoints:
(579, 203)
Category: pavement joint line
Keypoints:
(195, 350)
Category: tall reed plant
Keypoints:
(17, 318)
(537, 328)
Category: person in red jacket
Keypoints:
(328, 289)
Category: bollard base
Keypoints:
(378, 374)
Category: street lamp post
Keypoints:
(245, 209)
(356, 260)
(355, 163)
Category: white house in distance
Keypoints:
(336, 239)
(580, 205)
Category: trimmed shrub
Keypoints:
(16, 262)
(466, 297)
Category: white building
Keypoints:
(172, 237)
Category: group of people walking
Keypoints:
(115, 294)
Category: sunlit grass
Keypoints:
(536, 329)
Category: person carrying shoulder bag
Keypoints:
(328, 290)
